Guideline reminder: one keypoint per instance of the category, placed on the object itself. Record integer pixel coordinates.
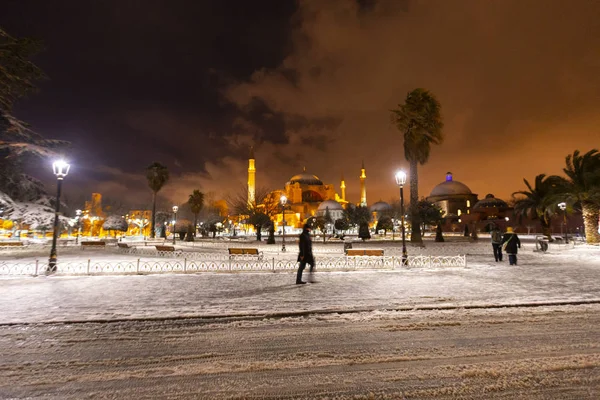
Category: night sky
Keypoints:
(193, 83)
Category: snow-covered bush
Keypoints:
(115, 223)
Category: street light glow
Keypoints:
(283, 199)
(400, 178)
(562, 206)
(175, 208)
(60, 168)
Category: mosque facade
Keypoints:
(307, 196)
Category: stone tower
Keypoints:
(343, 187)
(363, 188)
(251, 178)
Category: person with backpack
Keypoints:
(511, 244)
(497, 243)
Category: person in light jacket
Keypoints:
(511, 244)
(305, 256)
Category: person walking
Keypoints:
(496, 235)
(511, 244)
(305, 256)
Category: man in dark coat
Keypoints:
(497, 243)
(511, 244)
(305, 256)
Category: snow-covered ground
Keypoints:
(561, 275)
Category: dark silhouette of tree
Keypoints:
(363, 231)
(439, 237)
(157, 176)
(582, 188)
(384, 223)
(196, 202)
(342, 225)
(419, 120)
(537, 202)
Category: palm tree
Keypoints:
(419, 119)
(582, 187)
(157, 175)
(196, 202)
(538, 201)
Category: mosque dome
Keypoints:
(305, 179)
(490, 202)
(331, 205)
(380, 206)
(450, 187)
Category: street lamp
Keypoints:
(401, 181)
(78, 213)
(60, 169)
(175, 208)
(283, 200)
(563, 207)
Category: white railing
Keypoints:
(234, 264)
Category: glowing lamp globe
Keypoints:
(60, 168)
(400, 178)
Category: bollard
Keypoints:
(88, 266)
(184, 265)
(36, 266)
(273, 259)
(138, 266)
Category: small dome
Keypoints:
(305, 179)
(450, 187)
(489, 202)
(331, 205)
(380, 206)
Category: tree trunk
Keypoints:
(195, 224)
(415, 236)
(546, 228)
(590, 213)
(152, 233)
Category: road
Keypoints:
(500, 353)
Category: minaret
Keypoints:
(251, 177)
(343, 187)
(363, 188)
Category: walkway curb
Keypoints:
(224, 318)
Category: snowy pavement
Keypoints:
(561, 276)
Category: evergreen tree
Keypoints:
(363, 231)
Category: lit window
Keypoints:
(459, 212)
(468, 203)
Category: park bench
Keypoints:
(95, 244)
(124, 246)
(244, 251)
(10, 244)
(167, 249)
(364, 252)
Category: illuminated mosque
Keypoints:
(307, 196)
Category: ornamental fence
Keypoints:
(236, 264)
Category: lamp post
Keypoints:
(78, 213)
(563, 207)
(283, 200)
(60, 169)
(175, 208)
(401, 181)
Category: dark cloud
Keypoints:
(194, 84)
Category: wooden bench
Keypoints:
(93, 244)
(364, 252)
(124, 246)
(11, 244)
(167, 249)
(244, 251)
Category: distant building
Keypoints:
(453, 197)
